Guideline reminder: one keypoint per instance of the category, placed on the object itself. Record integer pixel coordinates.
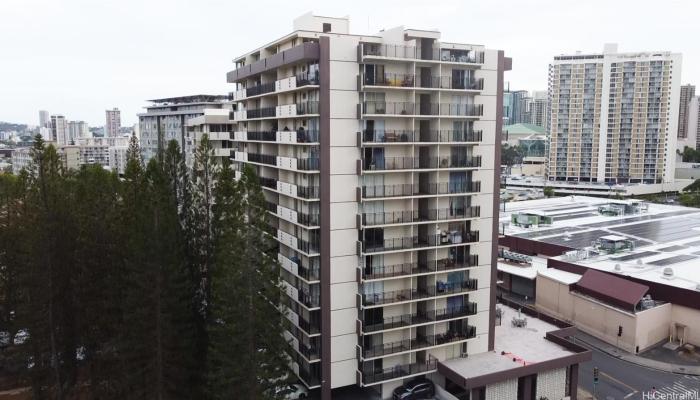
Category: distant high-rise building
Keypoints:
(539, 108)
(687, 94)
(614, 116)
(44, 119)
(113, 122)
(694, 121)
(77, 130)
(166, 120)
(59, 130)
(515, 107)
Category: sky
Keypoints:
(81, 57)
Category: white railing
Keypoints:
(288, 264)
(286, 84)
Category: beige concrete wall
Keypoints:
(653, 325)
(553, 298)
(602, 321)
(689, 317)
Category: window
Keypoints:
(326, 27)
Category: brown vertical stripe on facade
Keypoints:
(325, 272)
(496, 197)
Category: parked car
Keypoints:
(419, 388)
(292, 392)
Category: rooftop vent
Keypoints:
(618, 267)
(668, 273)
(639, 261)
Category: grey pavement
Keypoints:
(646, 362)
(623, 380)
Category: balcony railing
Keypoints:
(422, 317)
(371, 375)
(422, 53)
(400, 163)
(261, 112)
(266, 136)
(260, 89)
(308, 192)
(445, 264)
(438, 109)
(440, 289)
(400, 217)
(307, 107)
(262, 158)
(307, 79)
(408, 136)
(416, 242)
(430, 82)
(308, 164)
(420, 342)
(409, 189)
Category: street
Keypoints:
(623, 380)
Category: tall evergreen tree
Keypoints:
(49, 310)
(248, 351)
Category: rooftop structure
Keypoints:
(625, 254)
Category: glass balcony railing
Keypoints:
(400, 217)
(436, 109)
(419, 342)
(389, 271)
(434, 188)
(397, 296)
(417, 242)
(371, 375)
(402, 163)
(422, 53)
(409, 136)
(428, 82)
(422, 317)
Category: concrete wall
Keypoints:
(551, 384)
(689, 317)
(653, 325)
(639, 331)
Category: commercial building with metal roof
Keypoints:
(636, 262)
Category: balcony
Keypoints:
(398, 296)
(431, 109)
(410, 137)
(402, 217)
(398, 270)
(288, 163)
(409, 163)
(408, 189)
(416, 242)
(420, 342)
(418, 81)
(421, 53)
(371, 375)
(260, 89)
(260, 113)
(402, 321)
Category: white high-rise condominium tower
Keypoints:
(614, 116)
(44, 119)
(59, 130)
(379, 159)
(539, 111)
(113, 122)
(77, 130)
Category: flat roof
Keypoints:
(665, 236)
(195, 98)
(526, 345)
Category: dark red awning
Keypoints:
(612, 289)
